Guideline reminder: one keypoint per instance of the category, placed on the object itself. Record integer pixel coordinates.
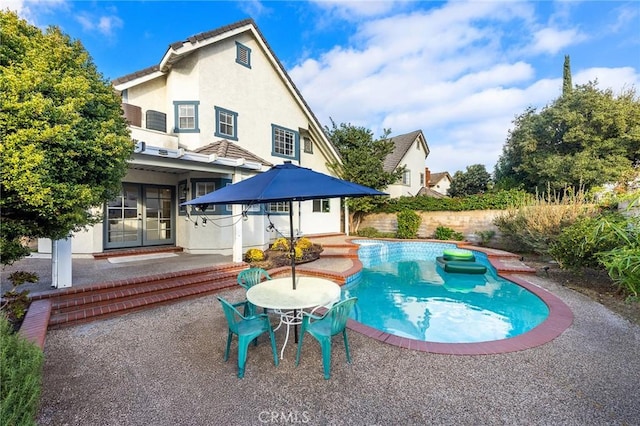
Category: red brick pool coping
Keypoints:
(34, 327)
(560, 318)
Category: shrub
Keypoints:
(408, 224)
(21, 367)
(304, 243)
(485, 236)
(281, 244)
(622, 262)
(254, 255)
(576, 246)
(491, 200)
(15, 303)
(534, 227)
(298, 253)
(368, 232)
(445, 233)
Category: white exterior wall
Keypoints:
(260, 97)
(414, 160)
(442, 186)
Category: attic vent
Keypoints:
(156, 121)
(243, 55)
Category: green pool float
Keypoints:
(459, 255)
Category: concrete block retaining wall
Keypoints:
(466, 222)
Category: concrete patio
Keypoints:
(165, 367)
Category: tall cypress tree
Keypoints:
(566, 77)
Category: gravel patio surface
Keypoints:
(165, 367)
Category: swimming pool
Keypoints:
(402, 291)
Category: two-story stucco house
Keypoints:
(218, 108)
(410, 150)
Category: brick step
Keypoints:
(84, 304)
(88, 289)
(86, 300)
(116, 307)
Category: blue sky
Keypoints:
(458, 71)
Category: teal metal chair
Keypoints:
(247, 329)
(247, 279)
(324, 327)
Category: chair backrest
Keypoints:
(339, 314)
(234, 317)
(252, 276)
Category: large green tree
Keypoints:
(64, 143)
(362, 162)
(586, 137)
(475, 180)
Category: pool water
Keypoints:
(403, 292)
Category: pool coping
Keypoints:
(559, 319)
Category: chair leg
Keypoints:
(299, 348)
(325, 344)
(243, 346)
(272, 336)
(226, 352)
(346, 345)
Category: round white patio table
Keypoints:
(278, 294)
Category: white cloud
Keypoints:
(461, 72)
(105, 25)
(355, 9)
(31, 9)
(254, 8)
(616, 79)
(552, 41)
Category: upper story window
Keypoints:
(421, 179)
(186, 116)
(226, 124)
(285, 142)
(243, 55)
(308, 145)
(406, 177)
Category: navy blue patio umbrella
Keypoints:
(285, 183)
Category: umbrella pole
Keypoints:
(292, 253)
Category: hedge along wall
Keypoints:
(467, 222)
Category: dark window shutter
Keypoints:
(156, 121)
(133, 114)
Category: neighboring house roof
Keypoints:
(225, 149)
(428, 192)
(437, 177)
(401, 145)
(180, 49)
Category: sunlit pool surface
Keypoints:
(403, 292)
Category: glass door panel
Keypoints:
(123, 228)
(134, 220)
(159, 217)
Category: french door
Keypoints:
(142, 215)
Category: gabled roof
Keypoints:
(225, 149)
(401, 145)
(181, 49)
(172, 55)
(437, 177)
(428, 192)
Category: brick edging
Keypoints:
(35, 323)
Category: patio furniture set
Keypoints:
(294, 307)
